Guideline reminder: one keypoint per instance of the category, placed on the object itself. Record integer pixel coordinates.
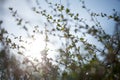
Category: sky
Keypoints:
(24, 10)
(23, 7)
(98, 6)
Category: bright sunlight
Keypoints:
(34, 47)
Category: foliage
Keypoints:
(78, 59)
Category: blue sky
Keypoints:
(97, 6)
(24, 10)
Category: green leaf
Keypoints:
(58, 25)
(14, 45)
(22, 47)
(25, 28)
(20, 53)
(110, 16)
(81, 39)
(10, 8)
(83, 7)
(77, 14)
(50, 17)
(71, 15)
(9, 40)
(64, 74)
(62, 7)
(1, 22)
(67, 10)
(62, 28)
(79, 56)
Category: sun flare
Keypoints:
(34, 47)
